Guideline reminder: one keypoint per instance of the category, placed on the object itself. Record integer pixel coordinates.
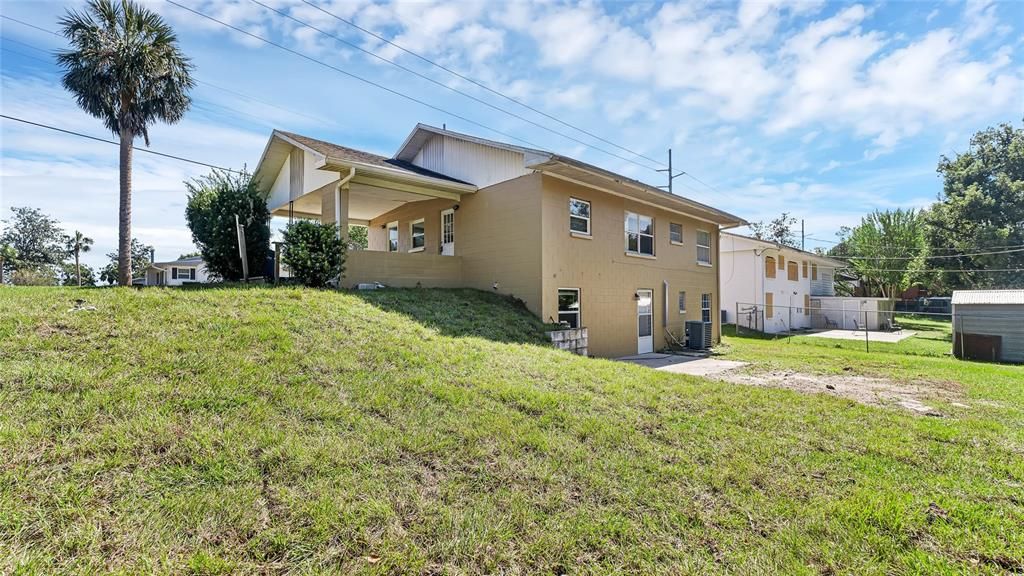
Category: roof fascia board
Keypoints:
(340, 165)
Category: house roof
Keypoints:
(780, 246)
(423, 132)
(988, 297)
(344, 153)
(190, 261)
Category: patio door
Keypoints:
(644, 321)
(448, 232)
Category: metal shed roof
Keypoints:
(988, 297)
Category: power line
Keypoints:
(951, 248)
(452, 88)
(505, 96)
(479, 84)
(972, 270)
(198, 80)
(115, 143)
(926, 256)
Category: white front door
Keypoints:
(448, 232)
(644, 321)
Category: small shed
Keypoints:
(988, 325)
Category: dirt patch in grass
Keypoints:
(913, 396)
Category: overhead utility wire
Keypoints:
(451, 88)
(503, 95)
(198, 80)
(933, 248)
(926, 256)
(479, 84)
(352, 75)
(115, 143)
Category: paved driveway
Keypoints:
(678, 364)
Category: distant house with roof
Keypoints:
(988, 325)
(190, 270)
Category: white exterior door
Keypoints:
(644, 321)
(448, 232)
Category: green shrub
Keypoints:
(314, 252)
(213, 202)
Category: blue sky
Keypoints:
(824, 110)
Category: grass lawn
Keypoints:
(241, 430)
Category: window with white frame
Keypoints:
(183, 273)
(392, 236)
(579, 216)
(703, 247)
(418, 235)
(675, 233)
(705, 307)
(569, 306)
(639, 234)
(682, 302)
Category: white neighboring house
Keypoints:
(773, 288)
(190, 270)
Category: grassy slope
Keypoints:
(290, 430)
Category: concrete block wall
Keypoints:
(574, 340)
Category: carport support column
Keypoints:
(341, 205)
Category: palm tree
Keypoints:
(77, 244)
(125, 68)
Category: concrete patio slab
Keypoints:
(679, 364)
(891, 337)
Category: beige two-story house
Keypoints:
(577, 243)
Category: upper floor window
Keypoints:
(639, 234)
(805, 268)
(792, 272)
(703, 247)
(769, 266)
(418, 234)
(579, 216)
(393, 237)
(675, 233)
(814, 271)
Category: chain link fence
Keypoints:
(970, 335)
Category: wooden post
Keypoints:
(867, 345)
(277, 261)
(241, 249)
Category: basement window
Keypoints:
(569, 306)
(418, 234)
(579, 216)
(682, 302)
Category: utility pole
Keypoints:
(671, 176)
(802, 237)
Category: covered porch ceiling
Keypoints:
(366, 201)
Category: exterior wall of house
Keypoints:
(470, 162)
(1004, 320)
(608, 278)
(745, 282)
(497, 238)
(280, 192)
(403, 270)
(153, 277)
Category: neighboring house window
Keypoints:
(705, 307)
(769, 267)
(393, 237)
(703, 247)
(792, 272)
(769, 304)
(418, 235)
(682, 302)
(805, 268)
(782, 262)
(814, 271)
(569, 306)
(579, 216)
(807, 304)
(675, 233)
(183, 273)
(639, 234)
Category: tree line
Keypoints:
(972, 237)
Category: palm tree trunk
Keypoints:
(124, 232)
(78, 267)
